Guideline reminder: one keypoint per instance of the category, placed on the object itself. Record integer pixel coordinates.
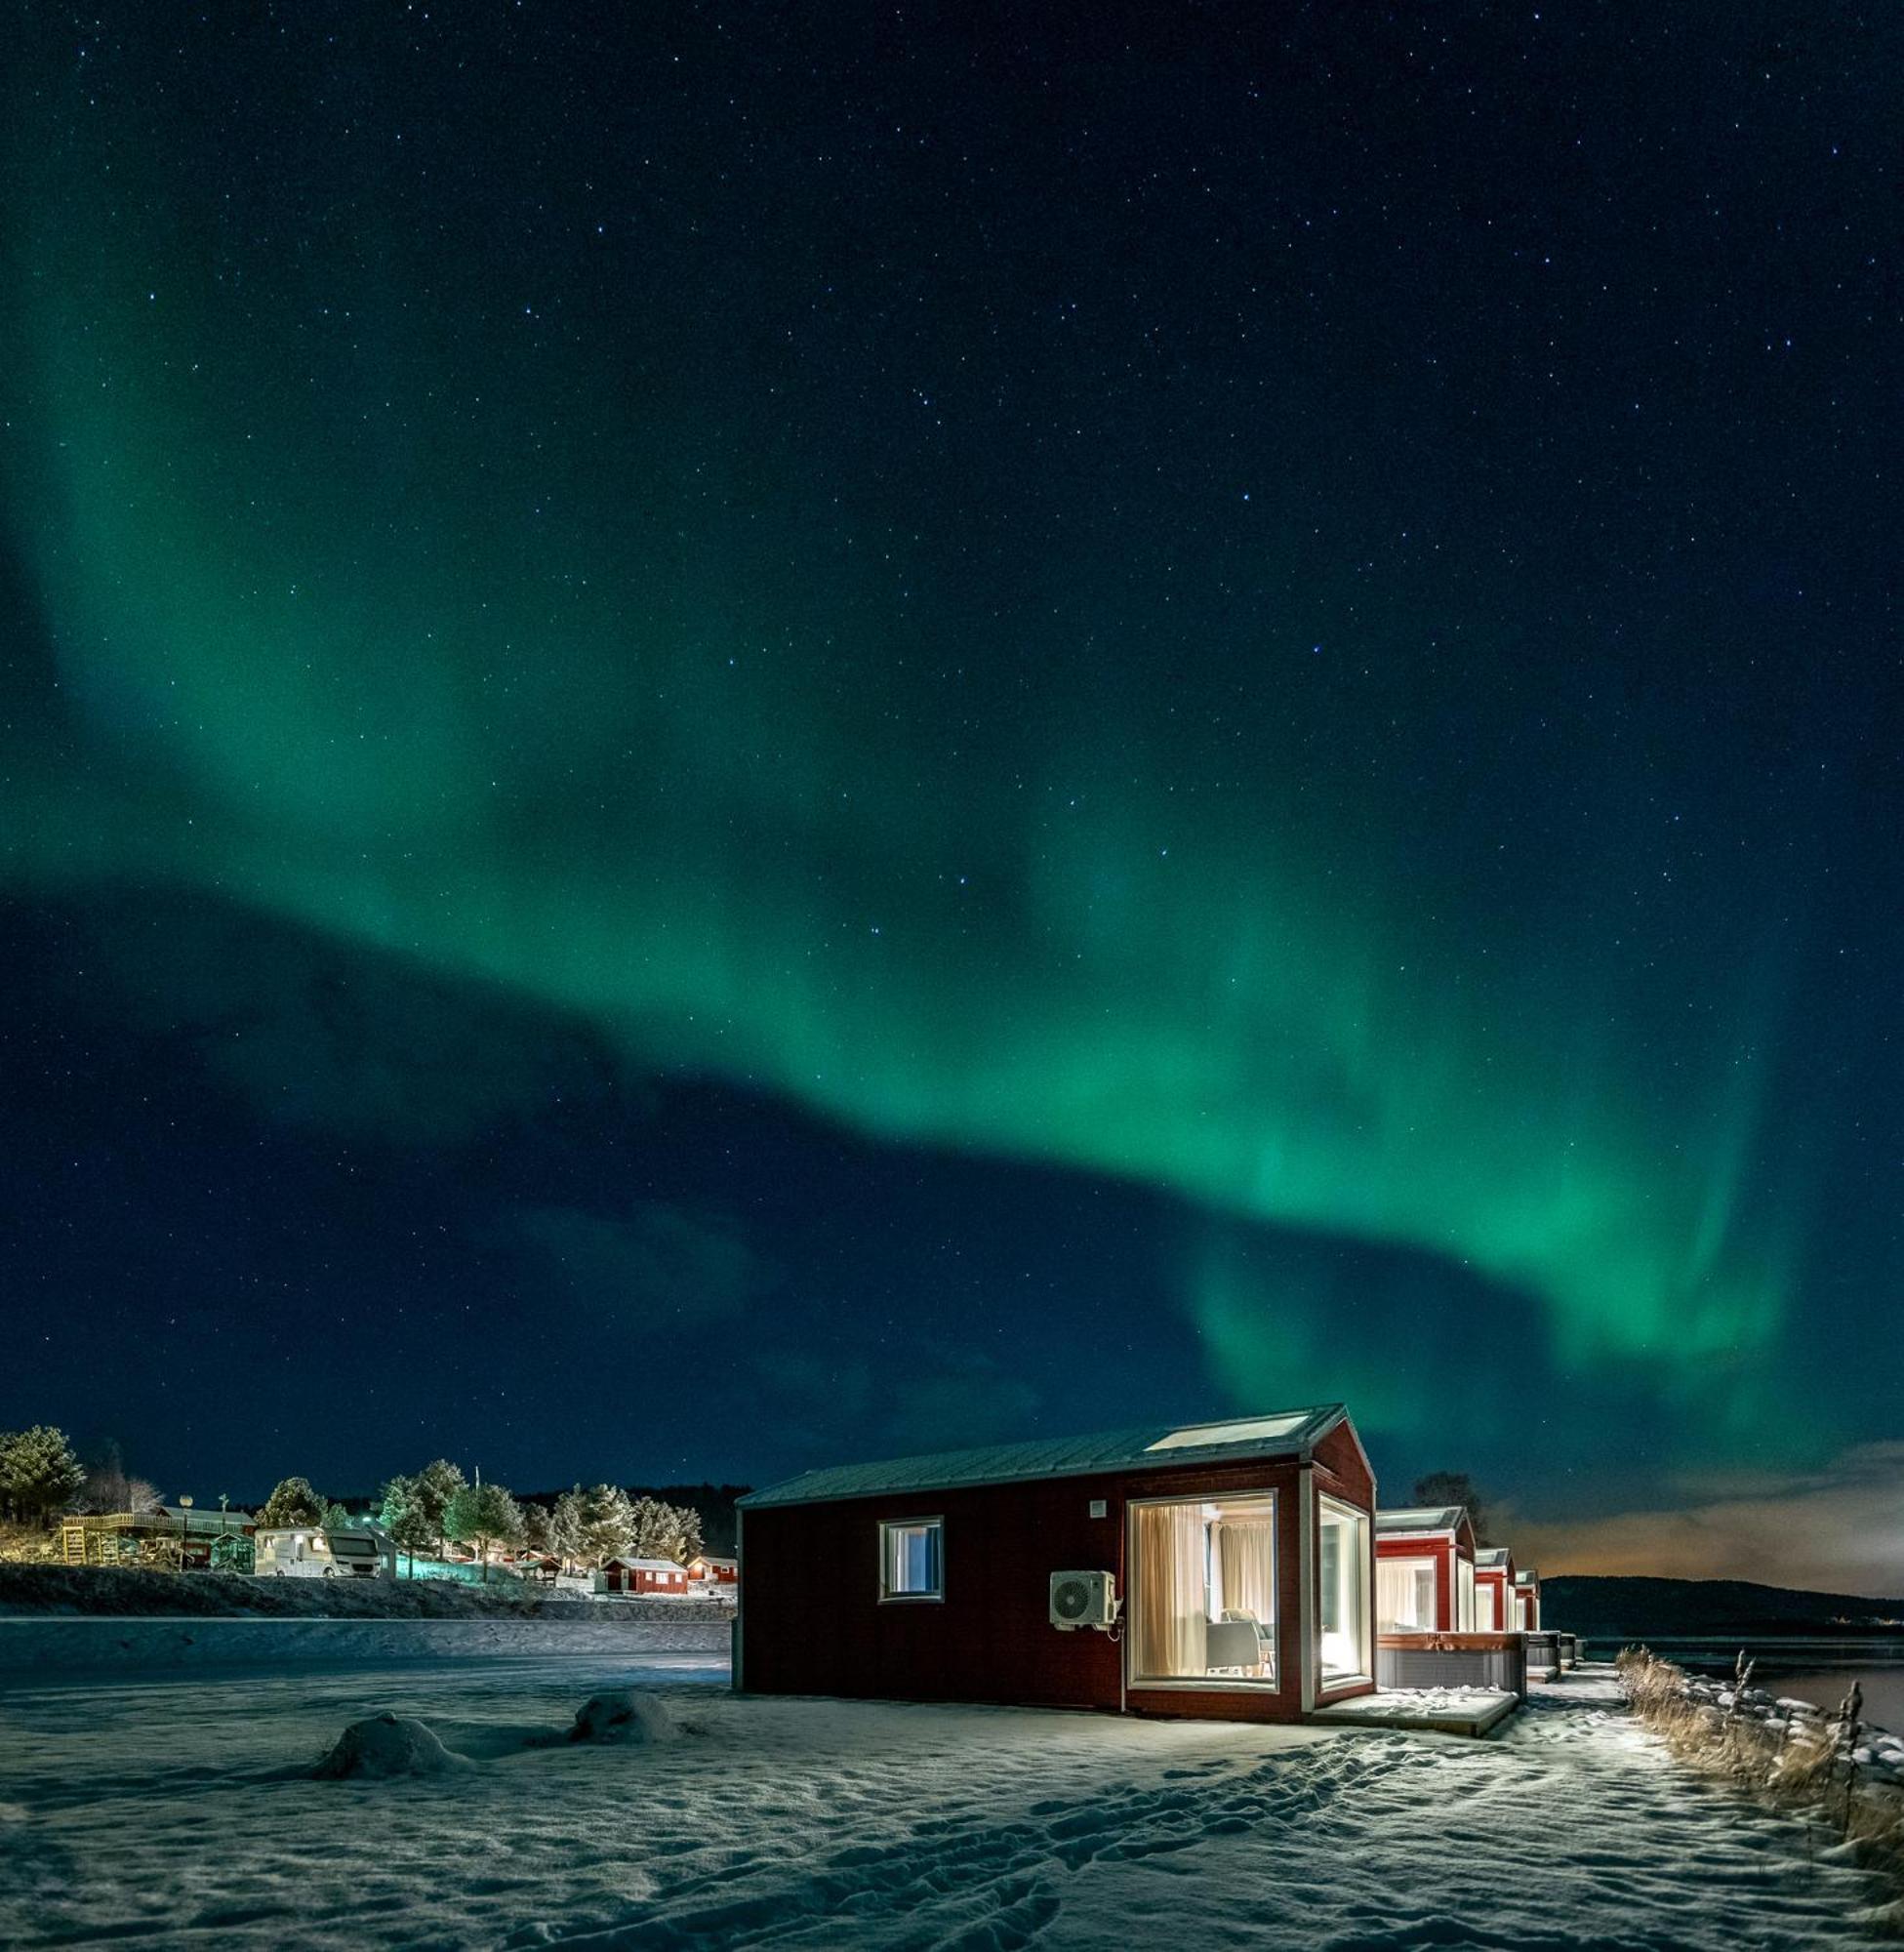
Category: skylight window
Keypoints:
(1253, 1430)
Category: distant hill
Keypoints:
(1636, 1608)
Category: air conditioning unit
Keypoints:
(1083, 1600)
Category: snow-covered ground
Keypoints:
(175, 1812)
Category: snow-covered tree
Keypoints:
(435, 1485)
(39, 1475)
(482, 1516)
(293, 1503)
(536, 1523)
(565, 1528)
(401, 1514)
(659, 1530)
(607, 1523)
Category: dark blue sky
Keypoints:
(729, 741)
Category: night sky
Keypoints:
(741, 736)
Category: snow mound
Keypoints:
(622, 1716)
(388, 1745)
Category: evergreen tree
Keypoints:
(536, 1523)
(293, 1503)
(607, 1523)
(482, 1516)
(659, 1530)
(565, 1528)
(435, 1486)
(39, 1475)
(402, 1515)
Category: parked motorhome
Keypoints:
(1222, 1569)
(1424, 1570)
(310, 1552)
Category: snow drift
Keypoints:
(388, 1745)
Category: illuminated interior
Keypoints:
(1202, 1592)
(1345, 1598)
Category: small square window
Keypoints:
(912, 1558)
(1099, 1508)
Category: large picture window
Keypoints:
(1345, 1607)
(1465, 1615)
(1487, 1608)
(1404, 1596)
(912, 1558)
(1202, 1592)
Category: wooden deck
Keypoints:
(1470, 1712)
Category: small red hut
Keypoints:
(1424, 1570)
(1223, 1569)
(708, 1570)
(1494, 1589)
(642, 1575)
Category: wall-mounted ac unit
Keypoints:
(1083, 1600)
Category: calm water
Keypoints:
(1883, 1691)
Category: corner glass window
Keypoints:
(912, 1558)
(1345, 1596)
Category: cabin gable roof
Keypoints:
(1152, 1448)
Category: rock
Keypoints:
(623, 1717)
(388, 1745)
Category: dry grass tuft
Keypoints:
(1795, 1757)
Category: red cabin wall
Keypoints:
(813, 1623)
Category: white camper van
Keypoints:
(308, 1552)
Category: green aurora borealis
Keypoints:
(845, 673)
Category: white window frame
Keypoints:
(1325, 1681)
(887, 1526)
(1208, 1683)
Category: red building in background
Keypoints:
(1424, 1570)
(1494, 1589)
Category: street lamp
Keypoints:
(184, 1529)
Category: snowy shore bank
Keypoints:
(126, 1593)
(1835, 1769)
(42, 1647)
(852, 1825)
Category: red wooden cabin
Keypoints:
(643, 1575)
(1424, 1570)
(712, 1570)
(1224, 1570)
(1526, 1600)
(1494, 1589)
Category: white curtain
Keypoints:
(1246, 1559)
(1405, 1595)
(1168, 1596)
